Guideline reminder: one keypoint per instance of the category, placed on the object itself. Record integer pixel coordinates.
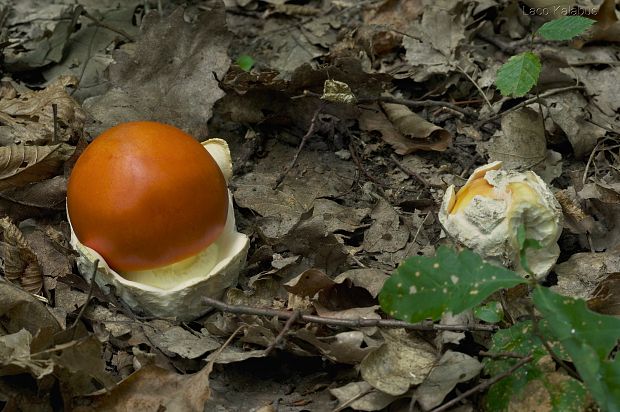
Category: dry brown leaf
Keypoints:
(29, 116)
(362, 397)
(405, 131)
(21, 165)
(309, 283)
(153, 389)
(20, 262)
(403, 360)
(415, 127)
(172, 76)
(606, 298)
(607, 27)
(19, 309)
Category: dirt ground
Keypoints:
(347, 122)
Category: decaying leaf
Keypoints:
(21, 165)
(21, 266)
(404, 130)
(452, 368)
(364, 396)
(28, 116)
(170, 78)
(153, 388)
(403, 360)
(16, 357)
(338, 92)
(582, 273)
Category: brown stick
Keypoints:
(287, 326)
(88, 298)
(304, 139)
(529, 101)
(350, 323)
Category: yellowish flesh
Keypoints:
(171, 276)
(478, 187)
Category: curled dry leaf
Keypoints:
(404, 130)
(21, 165)
(20, 262)
(29, 117)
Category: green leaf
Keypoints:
(518, 75)
(565, 28)
(492, 312)
(245, 62)
(426, 287)
(588, 338)
(565, 393)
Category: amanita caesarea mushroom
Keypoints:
(152, 204)
(485, 214)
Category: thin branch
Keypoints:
(107, 26)
(350, 323)
(304, 140)
(287, 326)
(528, 102)
(55, 118)
(404, 102)
(360, 166)
(476, 85)
(482, 386)
(420, 103)
(499, 355)
(88, 298)
(415, 175)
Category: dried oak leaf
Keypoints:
(152, 388)
(19, 309)
(173, 75)
(21, 165)
(21, 266)
(28, 116)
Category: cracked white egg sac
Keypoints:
(176, 290)
(485, 215)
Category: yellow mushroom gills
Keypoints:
(485, 214)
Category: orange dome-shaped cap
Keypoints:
(145, 195)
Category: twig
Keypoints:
(107, 26)
(476, 85)
(350, 323)
(482, 386)
(360, 165)
(496, 355)
(420, 103)
(404, 102)
(55, 117)
(348, 402)
(509, 48)
(527, 102)
(590, 159)
(88, 298)
(304, 139)
(287, 326)
(415, 175)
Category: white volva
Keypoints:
(487, 211)
(176, 290)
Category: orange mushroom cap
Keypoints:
(144, 195)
